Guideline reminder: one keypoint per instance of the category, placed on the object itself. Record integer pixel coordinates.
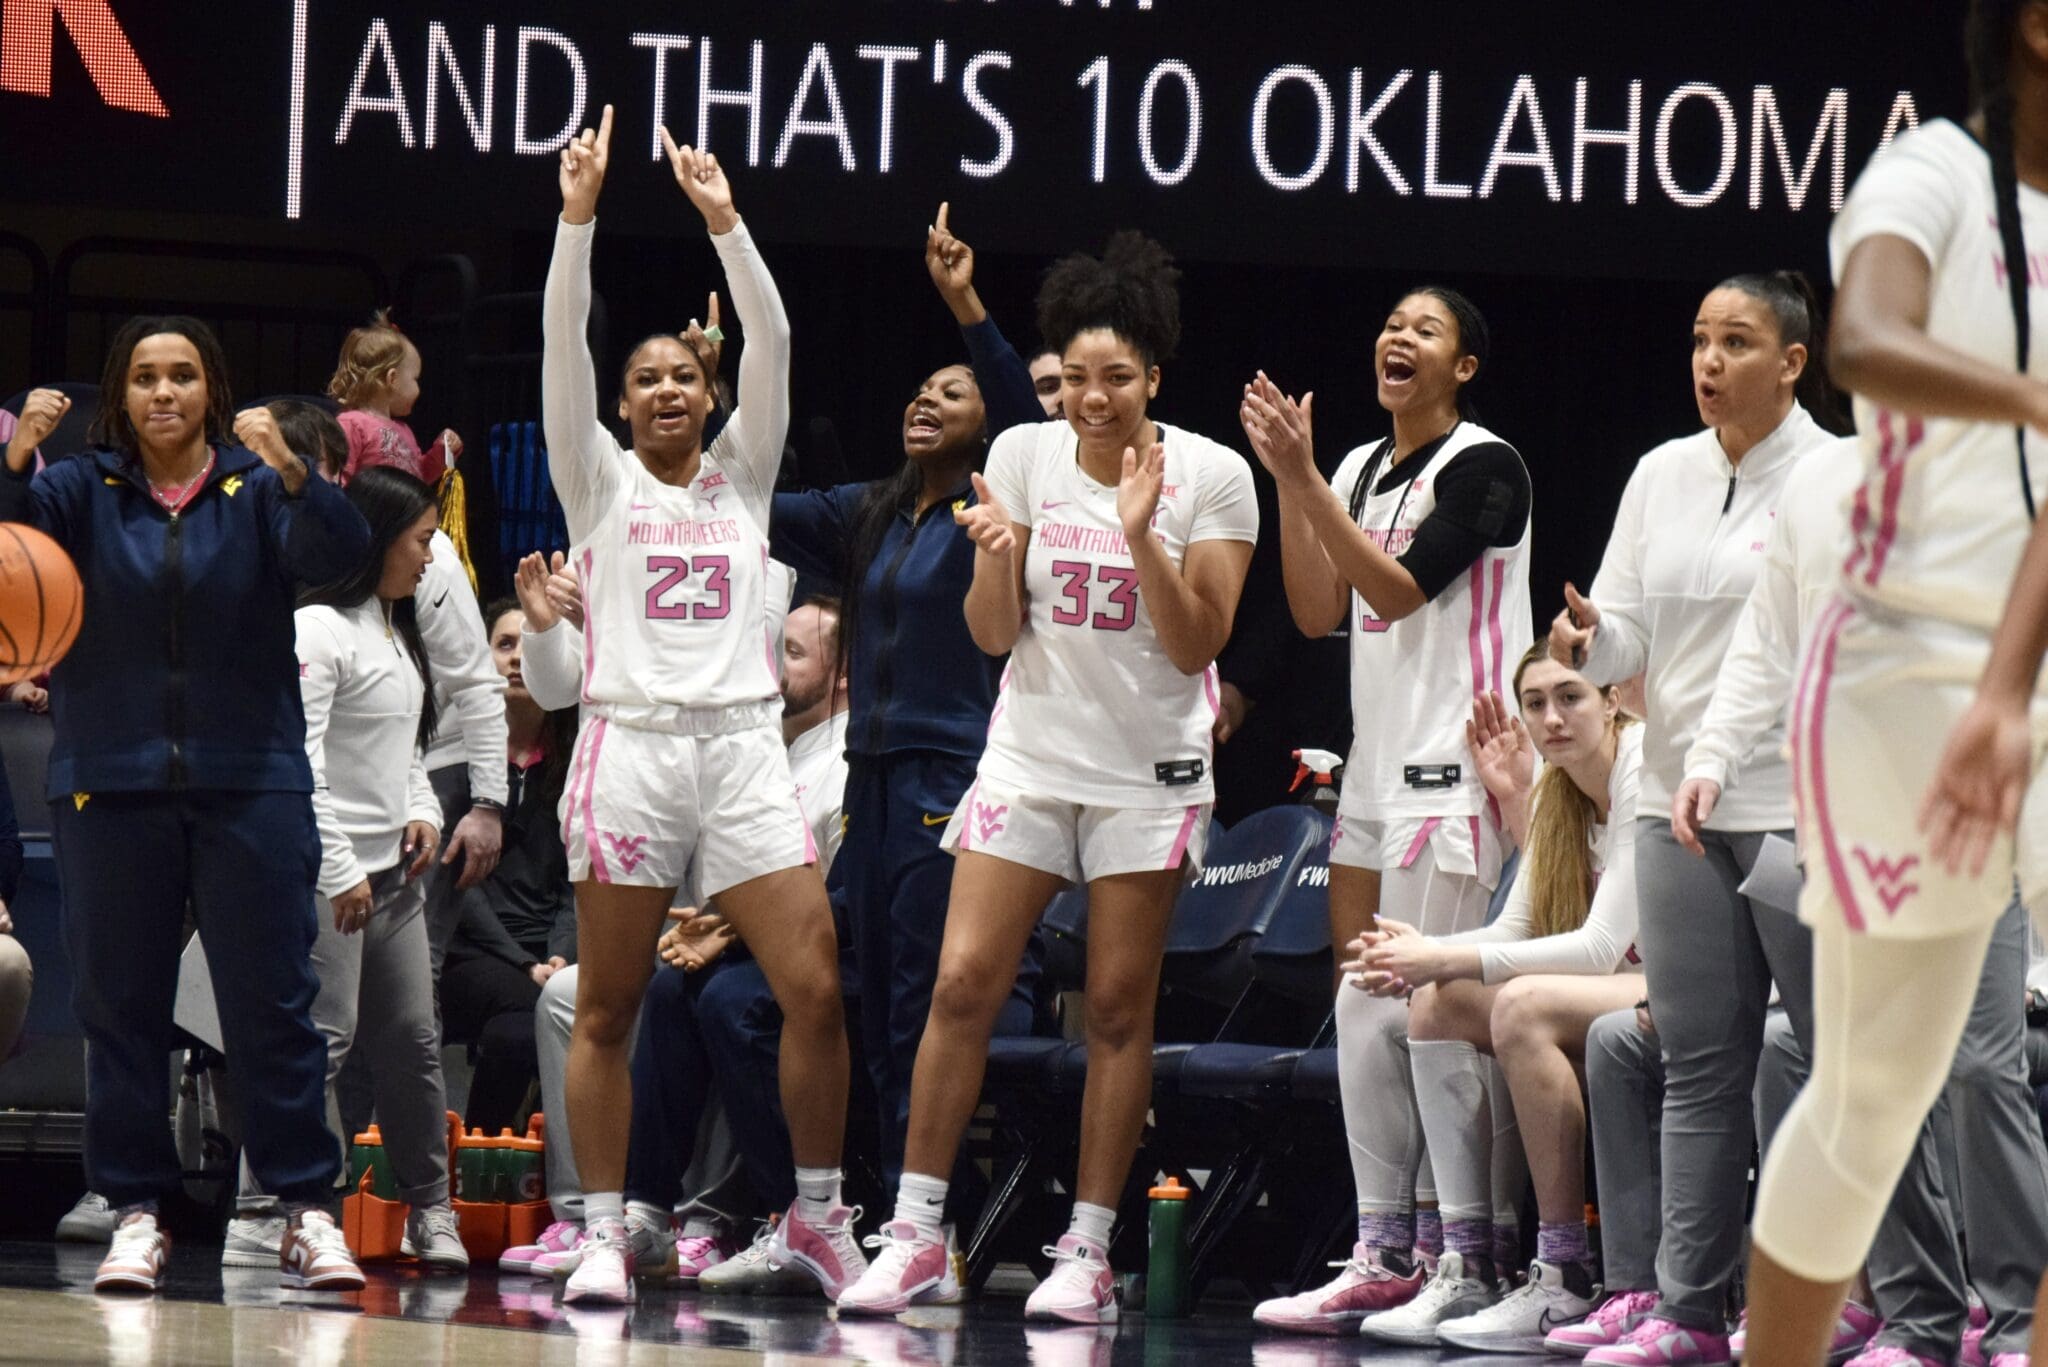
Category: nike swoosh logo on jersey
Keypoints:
(640, 507)
(1046, 507)
(938, 820)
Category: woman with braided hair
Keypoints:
(1934, 334)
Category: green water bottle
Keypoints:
(528, 1183)
(1166, 1273)
(472, 1169)
(367, 1155)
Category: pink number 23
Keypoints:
(713, 603)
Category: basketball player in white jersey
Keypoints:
(1938, 331)
(1111, 549)
(680, 776)
(1421, 546)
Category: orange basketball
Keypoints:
(41, 602)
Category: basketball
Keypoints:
(41, 602)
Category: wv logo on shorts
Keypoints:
(628, 848)
(1889, 877)
(989, 819)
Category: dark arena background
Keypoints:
(1584, 171)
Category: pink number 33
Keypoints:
(673, 572)
(1122, 612)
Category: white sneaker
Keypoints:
(314, 1257)
(911, 1269)
(252, 1241)
(1365, 1286)
(91, 1221)
(1449, 1295)
(433, 1236)
(1523, 1318)
(751, 1272)
(1081, 1289)
(653, 1237)
(604, 1272)
(136, 1260)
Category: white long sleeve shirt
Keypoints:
(1801, 570)
(1509, 948)
(673, 575)
(362, 695)
(469, 695)
(1688, 541)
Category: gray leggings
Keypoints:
(377, 997)
(1710, 955)
(1625, 1103)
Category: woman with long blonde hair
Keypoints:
(1525, 988)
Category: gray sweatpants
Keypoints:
(1710, 955)
(715, 1188)
(1980, 1157)
(377, 1000)
(1625, 1103)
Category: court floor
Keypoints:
(48, 1314)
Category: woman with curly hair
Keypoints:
(1110, 551)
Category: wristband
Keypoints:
(489, 804)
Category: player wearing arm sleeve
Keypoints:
(1419, 546)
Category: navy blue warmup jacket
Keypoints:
(916, 680)
(183, 674)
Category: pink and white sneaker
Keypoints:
(696, 1254)
(604, 1268)
(1081, 1289)
(1885, 1355)
(1855, 1327)
(2010, 1360)
(827, 1251)
(1608, 1325)
(136, 1260)
(1656, 1342)
(524, 1259)
(910, 1270)
(1365, 1286)
(315, 1257)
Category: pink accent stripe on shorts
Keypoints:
(1180, 842)
(1421, 839)
(592, 843)
(810, 844)
(575, 783)
(1826, 638)
(967, 811)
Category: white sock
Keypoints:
(817, 1193)
(1092, 1223)
(921, 1201)
(602, 1206)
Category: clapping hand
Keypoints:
(1138, 490)
(987, 524)
(1501, 750)
(1282, 432)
